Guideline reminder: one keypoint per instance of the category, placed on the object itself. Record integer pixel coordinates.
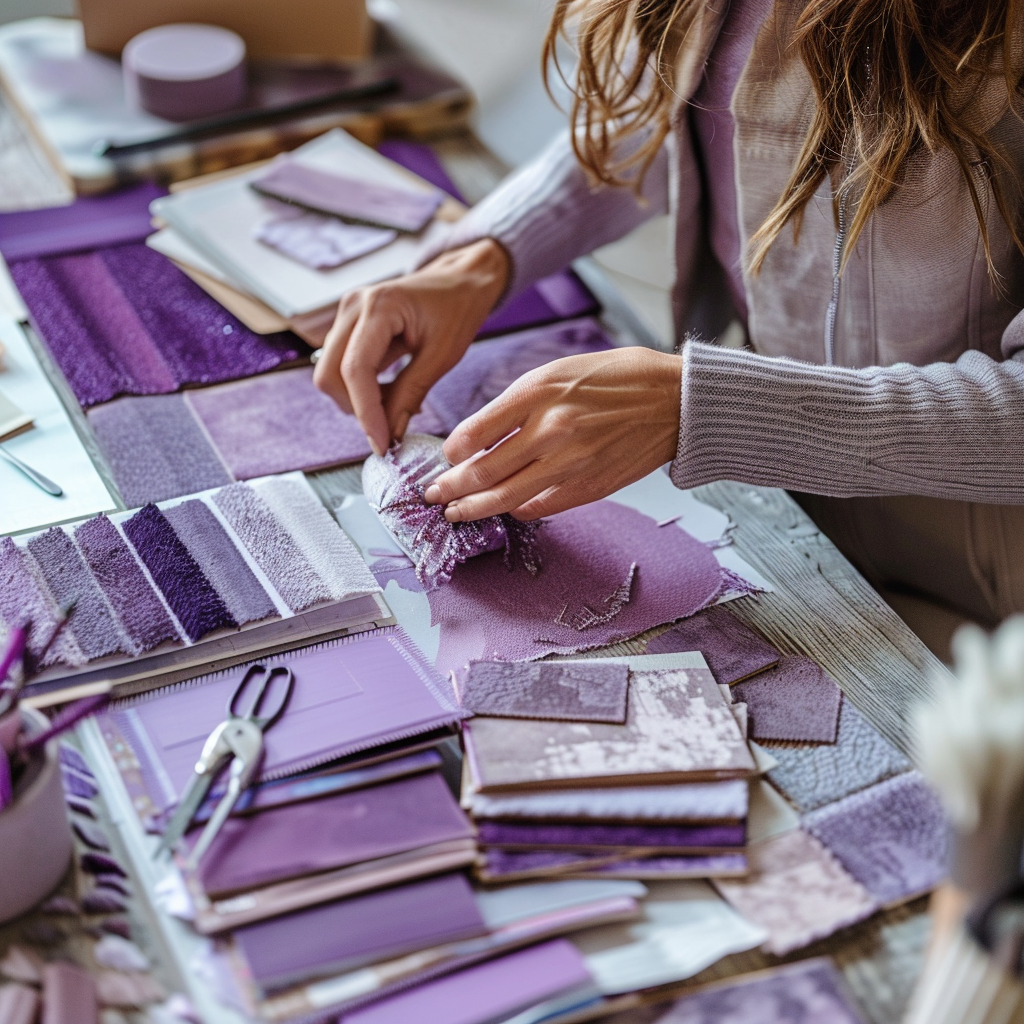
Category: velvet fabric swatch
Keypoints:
(796, 700)
(276, 423)
(521, 864)
(197, 606)
(893, 837)
(92, 623)
(558, 690)
(125, 320)
(817, 775)
(590, 557)
(807, 992)
(731, 648)
(156, 449)
(797, 891)
(221, 562)
(684, 838)
(114, 568)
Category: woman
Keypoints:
(845, 176)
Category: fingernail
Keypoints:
(452, 514)
(432, 495)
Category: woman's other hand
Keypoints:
(584, 426)
(431, 315)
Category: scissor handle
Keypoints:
(255, 713)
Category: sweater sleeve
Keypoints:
(547, 214)
(946, 430)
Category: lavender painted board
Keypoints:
(796, 701)
(196, 605)
(602, 563)
(156, 448)
(570, 836)
(554, 690)
(892, 838)
(336, 830)
(345, 934)
(731, 648)
(90, 222)
(130, 594)
(125, 320)
(491, 991)
(808, 992)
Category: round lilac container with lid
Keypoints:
(185, 72)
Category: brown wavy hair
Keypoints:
(890, 77)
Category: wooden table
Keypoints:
(822, 606)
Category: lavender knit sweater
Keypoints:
(933, 406)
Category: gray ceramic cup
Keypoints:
(35, 834)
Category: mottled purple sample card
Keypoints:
(557, 690)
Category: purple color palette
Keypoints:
(197, 606)
(796, 701)
(114, 568)
(662, 837)
(731, 648)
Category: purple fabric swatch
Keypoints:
(276, 423)
(101, 864)
(93, 625)
(731, 648)
(90, 833)
(491, 991)
(892, 837)
(662, 837)
(797, 700)
(88, 223)
(73, 759)
(562, 296)
(320, 242)
(193, 600)
(156, 449)
(701, 865)
(586, 554)
(274, 550)
(499, 863)
(338, 936)
(422, 160)
(808, 992)
(114, 568)
(558, 690)
(222, 563)
(125, 320)
(77, 785)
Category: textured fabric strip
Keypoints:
(188, 592)
(93, 624)
(208, 543)
(130, 594)
(273, 548)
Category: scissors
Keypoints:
(238, 739)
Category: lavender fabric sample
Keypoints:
(23, 595)
(797, 700)
(559, 690)
(731, 648)
(130, 594)
(808, 992)
(698, 865)
(521, 864)
(222, 563)
(92, 623)
(587, 556)
(273, 549)
(892, 837)
(320, 242)
(156, 448)
(561, 296)
(861, 756)
(197, 606)
(392, 487)
(661, 837)
(78, 785)
(125, 320)
(277, 423)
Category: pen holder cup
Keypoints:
(35, 834)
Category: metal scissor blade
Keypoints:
(217, 819)
(194, 795)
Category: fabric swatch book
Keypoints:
(226, 574)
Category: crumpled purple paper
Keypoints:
(392, 487)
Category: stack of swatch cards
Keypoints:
(634, 766)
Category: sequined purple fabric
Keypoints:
(392, 486)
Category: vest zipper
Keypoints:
(833, 305)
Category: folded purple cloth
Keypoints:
(674, 837)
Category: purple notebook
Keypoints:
(492, 991)
(681, 838)
(350, 695)
(348, 198)
(347, 828)
(340, 936)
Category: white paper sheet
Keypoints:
(52, 447)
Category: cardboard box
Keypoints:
(310, 29)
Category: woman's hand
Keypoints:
(432, 315)
(584, 427)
